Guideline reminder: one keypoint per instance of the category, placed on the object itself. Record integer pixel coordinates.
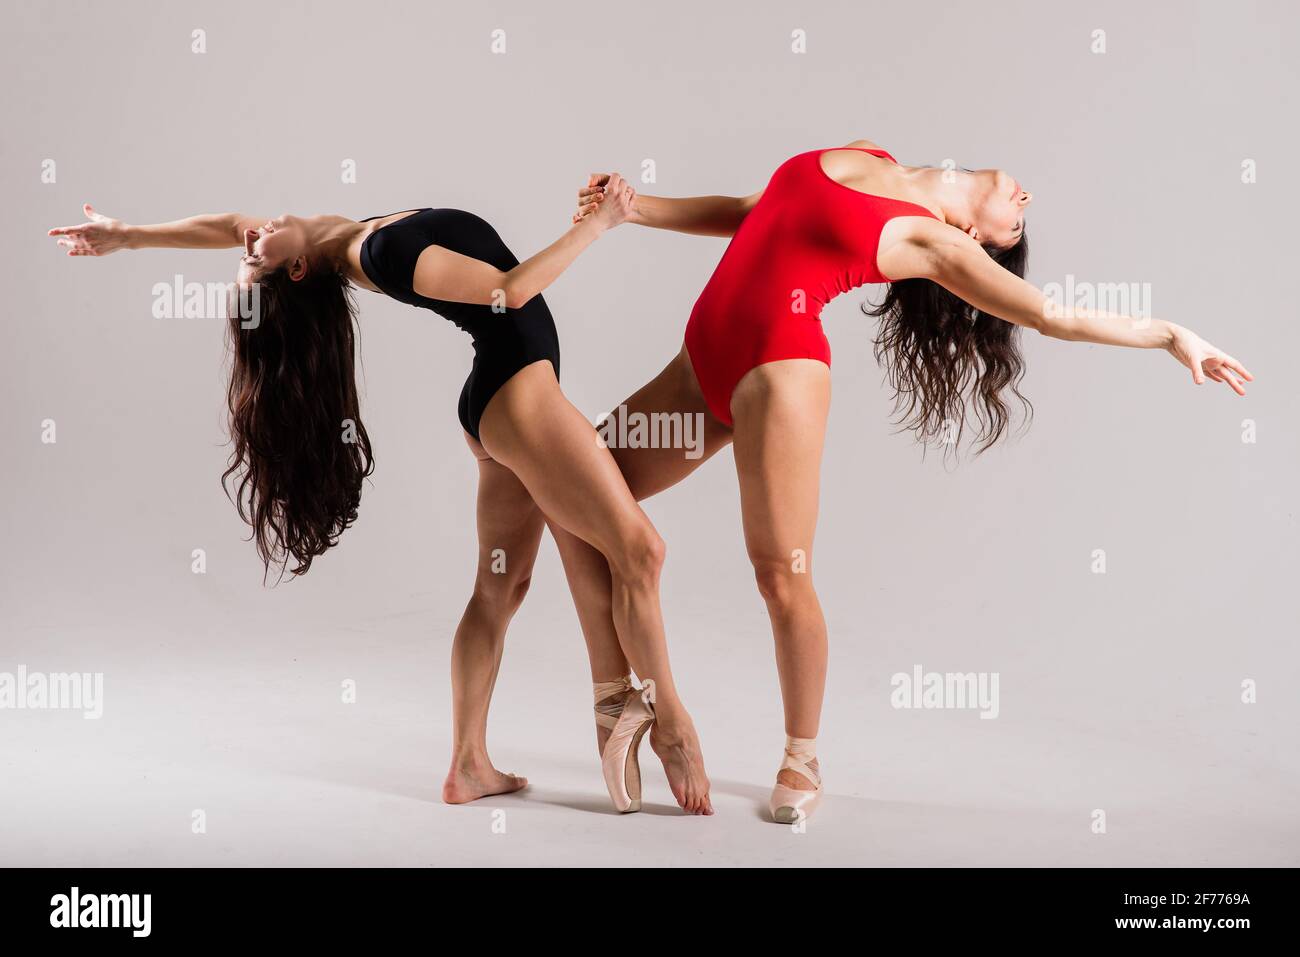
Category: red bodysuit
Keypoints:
(807, 240)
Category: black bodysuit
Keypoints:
(504, 342)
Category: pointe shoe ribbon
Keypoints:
(628, 715)
(789, 805)
(609, 697)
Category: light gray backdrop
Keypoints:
(1120, 692)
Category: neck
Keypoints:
(953, 191)
(330, 236)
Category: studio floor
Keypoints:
(252, 732)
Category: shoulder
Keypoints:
(863, 145)
(920, 247)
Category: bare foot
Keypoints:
(678, 748)
(469, 782)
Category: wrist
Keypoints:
(592, 226)
(637, 215)
(1168, 333)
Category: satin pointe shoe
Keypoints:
(789, 805)
(627, 712)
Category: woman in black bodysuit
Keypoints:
(505, 339)
(301, 451)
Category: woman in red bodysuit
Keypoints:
(757, 364)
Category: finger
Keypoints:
(68, 230)
(1198, 375)
(1218, 370)
(1225, 375)
(90, 211)
(1238, 368)
(585, 211)
(590, 191)
(597, 179)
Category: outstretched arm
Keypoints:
(451, 277)
(698, 215)
(102, 234)
(959, 264)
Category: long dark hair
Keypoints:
(948, 363)
(300, 449)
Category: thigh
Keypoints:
(673, 392)
(532, 429)
(780, 412)
(509, 522)
(648, 471)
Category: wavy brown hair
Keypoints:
(300, 449)
(948, 363)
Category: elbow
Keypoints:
(743, 206)
(516, 301)
(1044, 325)
(511, 295)
(1051, 319)
(1055, 327)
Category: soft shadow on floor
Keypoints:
(589, 802)
(425, 785)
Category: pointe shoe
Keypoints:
(628, 712)
(789, 805)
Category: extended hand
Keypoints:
(98, 237)
(1206, 361)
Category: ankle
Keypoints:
(611, 690)
(800, 768)
(801, 747)
(675, 725)
(470, 757)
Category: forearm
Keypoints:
(210, 231)
(958, 264)
(535, 274)
(1106, 329)
(699, 215)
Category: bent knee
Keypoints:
(639, 557)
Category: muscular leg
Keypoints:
(532, 429)
(509, 531)
(780, 414)
(646, 471)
